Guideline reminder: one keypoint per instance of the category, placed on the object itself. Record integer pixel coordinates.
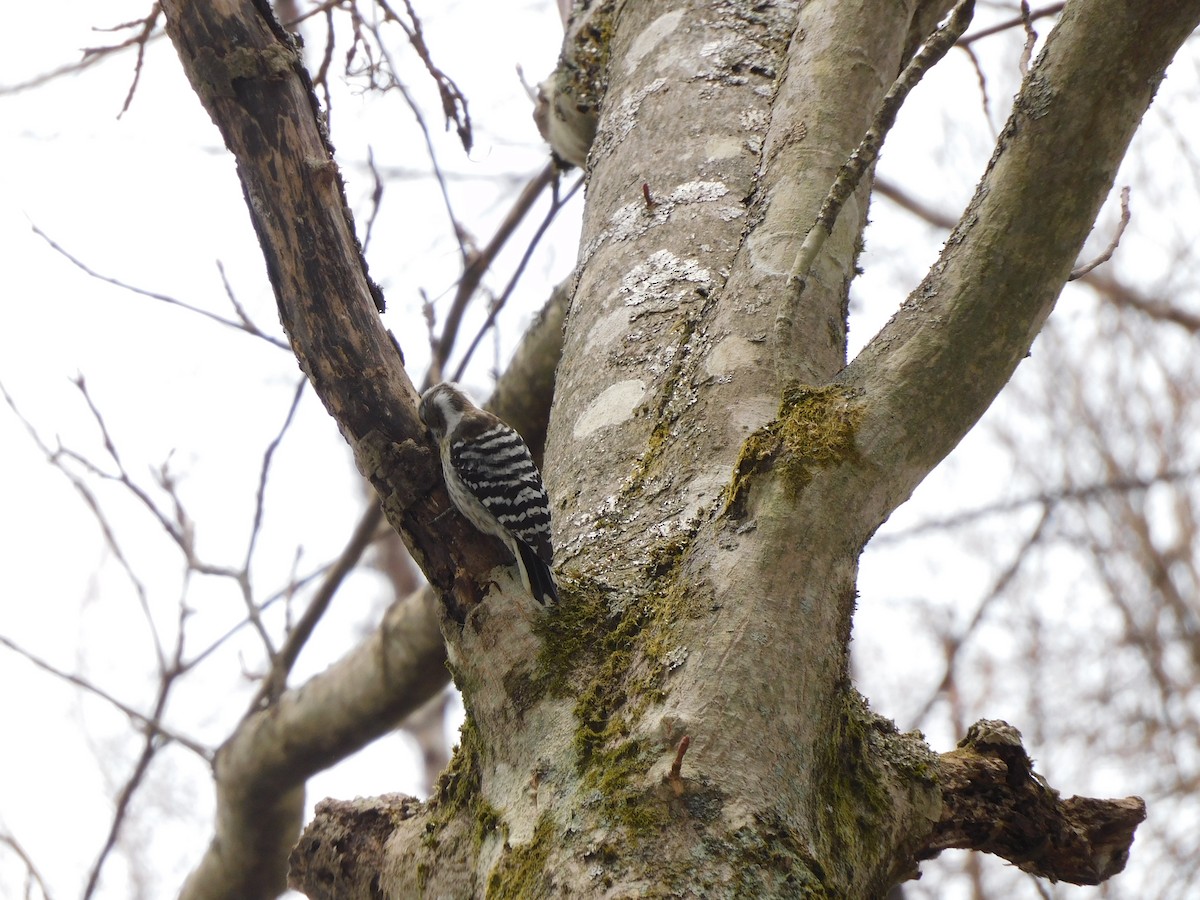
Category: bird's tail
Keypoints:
(538, 574)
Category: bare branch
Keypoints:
(13, 844)
(981, 78)
(53, 75)
(914, 205)
(855, 167)
(56, 458)
(1023, 19)
(243, 325)
(1105, 284)
(179, 530)
(283, 593)
(242, 315)
(321, 78)
(376, 198)
(851, 173)
(364, 533)
(141, 39)
(1122, 294)
(144, 722)
(994, 802)
(395, 83)
(953, 644)
(942, 358)
(253, 612)
(150, 748)
(93, 55)
(1049, 499)
(494, 310)
(265, 468)
(479, 262)
(454, 104)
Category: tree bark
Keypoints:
(683, 721)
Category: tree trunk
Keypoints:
(682, 723)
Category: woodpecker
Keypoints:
(569, 127)
(492, 480)
(568, 102)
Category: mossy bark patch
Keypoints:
(613, 659)
(815, 428)
(522, 870)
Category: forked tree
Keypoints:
(682, 722)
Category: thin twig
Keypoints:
(955, 643)
(242, 315)
(276, 682)
(454, 103)
(1108, 287)
(253, 611)
(178, 532)
(244, 325)
(855, 167)
(145, 723)
(1047, 499)
(376, 198)
(46, 77)
(322, 76)
(294, 585)
(1022, 19)
(481, 261)
(1030, 39)
(981, 79)
(55, 458)
(394, 82)
(1112, 244)
(30, 868)
(141, 39)
(325, 7)
(151, 744)
(264, 469)
(918, 208)
(557, 203)
(93, 55)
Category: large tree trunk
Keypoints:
(683, 722)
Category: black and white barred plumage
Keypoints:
(492, 480)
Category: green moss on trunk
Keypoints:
(815, 428)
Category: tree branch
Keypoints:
(345, 846)
(260, 771)
(936, 367)
(993, 801)
(867, 151)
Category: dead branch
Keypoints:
(345, 840)
(993, 801)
